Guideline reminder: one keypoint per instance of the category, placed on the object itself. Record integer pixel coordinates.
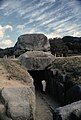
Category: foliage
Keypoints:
(6, 51)
(58, 47)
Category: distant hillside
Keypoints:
(71, 39)
(6, 51)
(66, 45)
(73, 43)
(57, 46)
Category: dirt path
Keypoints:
(42, 109)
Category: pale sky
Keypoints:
(54, 18)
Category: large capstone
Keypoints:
(30, 42)
(36, 60)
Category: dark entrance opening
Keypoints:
(38, 76)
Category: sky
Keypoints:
(54, 18)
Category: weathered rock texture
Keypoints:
(18, 101)
(29, 42)
(36, 60)
(17, 95)
(71, 65)
(68, 112)
(72, 68)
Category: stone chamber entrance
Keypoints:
(45, 103)
(38, 76)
